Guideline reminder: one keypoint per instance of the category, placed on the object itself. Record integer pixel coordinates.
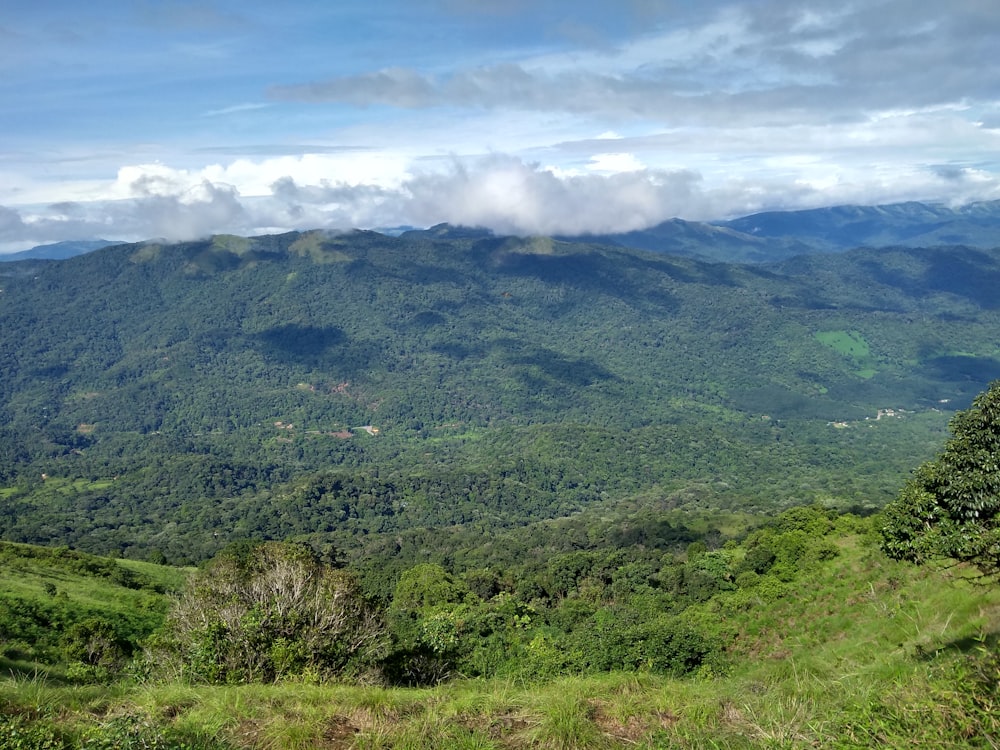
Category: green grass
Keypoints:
(29, 572)
(847, 343)
(792, 710)
(167, 576)
(45, 593)
(853, 346)
(865, 652)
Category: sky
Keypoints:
(177, 120)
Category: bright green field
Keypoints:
(848, 343)
(852, 345)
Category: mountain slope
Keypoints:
(908, 224)
(703, 241)
(175, 396)
(777, 235)
(511, 330)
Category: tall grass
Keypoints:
(867, 653)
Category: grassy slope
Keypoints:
(865, 652)
(43, 592)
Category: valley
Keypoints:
(651, 484)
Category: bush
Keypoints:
(668, 645)
(270, 611)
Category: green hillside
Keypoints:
(833, 646)
(772, 236)
(76, 616)
(168, 399)
(911, 224)
(624, 625)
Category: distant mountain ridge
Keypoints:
(777, 235)
(910, 224)
(704, 241)
(59, 250)
(764, 237)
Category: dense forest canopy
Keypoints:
(168, 399)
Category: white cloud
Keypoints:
(501, 192)
(614, 162)
(745, 64)
(237, 108)
(194, 213)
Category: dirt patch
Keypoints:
(632, 729)
(248, 733)
(503, 727)
(339, 732)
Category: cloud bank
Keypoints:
(503, 193)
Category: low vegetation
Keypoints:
(849, 649)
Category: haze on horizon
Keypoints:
(180, 119)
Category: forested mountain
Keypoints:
(710, 242)
(171, 398)
(912, 224)
(758, 238)
(777, 235)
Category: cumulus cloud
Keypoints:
(503, 193)
(710, 111)
(509, 195)
(703, 111)
(196, 212)
(615, 162)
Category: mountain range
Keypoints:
(576, 467)
(757, 238)
(58, 250)
(775, 235)
(178, 396)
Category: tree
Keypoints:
(950, 508)
(425, 617)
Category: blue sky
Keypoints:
(132, 120)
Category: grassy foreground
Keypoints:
(868, 653)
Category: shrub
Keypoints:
(266, 612)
